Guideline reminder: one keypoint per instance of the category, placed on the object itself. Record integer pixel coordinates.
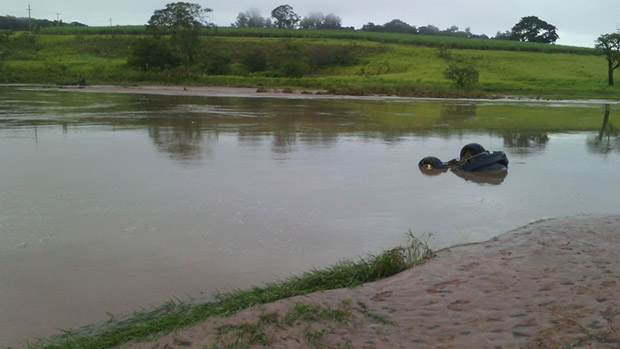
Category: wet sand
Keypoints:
(550, 284)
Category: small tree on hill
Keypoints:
(533, 29)
(398, 26)
(184, 21)
(610, 44)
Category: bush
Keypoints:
(148, 54)
(293, 69)
(462, 72)
(323, 55)
(217, 64)
(255, 60)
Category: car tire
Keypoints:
(431, 162)
(470, 150)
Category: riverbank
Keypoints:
(338, 63)
(251, 92)
(549, 284)
(204, 91)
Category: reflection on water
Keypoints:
(458, 110)
(526, 143)
(607, 139)
(494, 178)
(178, 125)
(181, 138)
(114, 201)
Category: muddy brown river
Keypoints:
(112, 202)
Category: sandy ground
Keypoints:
(552, 284)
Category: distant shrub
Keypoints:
(324, 55)
(255, 60)
(217, 64)
(148, 54)
(293, 69)
(462, 72)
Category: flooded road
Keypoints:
(110, 202)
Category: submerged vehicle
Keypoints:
(475, 163)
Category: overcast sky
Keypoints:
(579, 22)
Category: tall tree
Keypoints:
(314, 20)
(507, 35)
(610, 44)
(242, 21)
(250, 19)
(534, 29)
(184, 21)
(332, 22)
(285, 17)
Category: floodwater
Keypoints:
(111, 202)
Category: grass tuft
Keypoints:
(363, 308)
(176, 314)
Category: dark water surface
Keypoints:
(109, 202)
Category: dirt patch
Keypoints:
(550, 284)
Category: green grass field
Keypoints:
(380, 63)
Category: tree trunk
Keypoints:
(610, 74)
(605, 122)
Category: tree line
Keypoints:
(529, 29)
(25, 24)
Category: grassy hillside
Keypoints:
(394, 38)
(346, 62)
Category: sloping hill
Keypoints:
(342, 61)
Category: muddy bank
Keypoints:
(202, 91)
(253, 92)
(550, 284)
